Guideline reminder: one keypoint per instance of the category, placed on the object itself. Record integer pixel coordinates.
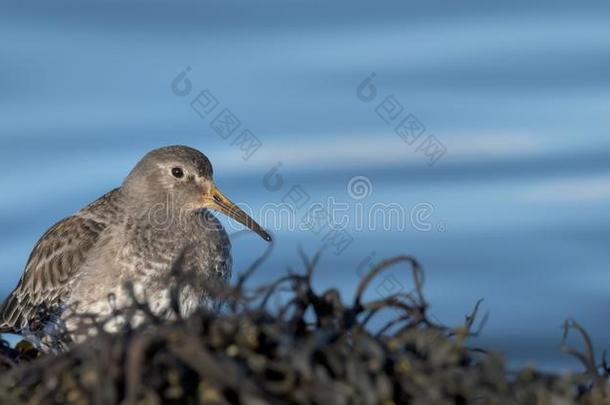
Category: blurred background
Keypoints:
(487, 124)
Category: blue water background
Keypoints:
(517, 93)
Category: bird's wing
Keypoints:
(55, 261)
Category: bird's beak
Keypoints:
(217, 201)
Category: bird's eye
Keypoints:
(177, 172)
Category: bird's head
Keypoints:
(179, 179)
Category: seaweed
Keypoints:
(315, 348)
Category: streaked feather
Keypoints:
(54, 264)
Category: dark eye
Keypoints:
(177, 172)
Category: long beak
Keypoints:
(219, 202)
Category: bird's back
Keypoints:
(53, 265)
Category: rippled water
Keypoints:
(518, 206)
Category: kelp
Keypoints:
(314, 348)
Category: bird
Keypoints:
(133, 235)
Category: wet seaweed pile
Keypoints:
(314, 349)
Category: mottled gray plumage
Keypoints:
(134, 234)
